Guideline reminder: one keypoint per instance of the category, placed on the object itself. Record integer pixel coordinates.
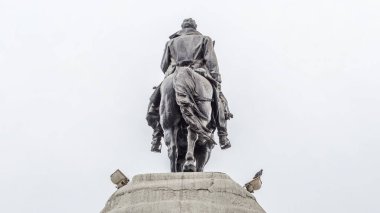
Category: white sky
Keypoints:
(302, 78)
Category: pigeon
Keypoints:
(254, 184)
(258, 174)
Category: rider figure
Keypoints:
(207, 61)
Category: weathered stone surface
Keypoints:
(182, 192)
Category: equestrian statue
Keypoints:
(188, 106)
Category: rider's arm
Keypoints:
(210, 59)
(165, 62)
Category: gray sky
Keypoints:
(302, 79)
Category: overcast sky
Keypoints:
(302, 79)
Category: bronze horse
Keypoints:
(188, 151)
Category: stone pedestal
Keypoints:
(198, 192)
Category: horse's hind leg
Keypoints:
(182, 148)
(171, 141)
(189, 165)
(180, 162)
(202, 155)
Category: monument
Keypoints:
(186, 109)
(188, 105)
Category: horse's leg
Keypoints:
(202, 154)
(180, 162)
(182, 149)
(189, 165)
(203, 148)
(171, 141)
(171, 149)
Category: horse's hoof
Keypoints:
(189, 167)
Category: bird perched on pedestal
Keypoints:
(254, 184)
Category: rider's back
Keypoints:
(187, 48)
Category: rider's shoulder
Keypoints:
(168, 43)
(207, 38)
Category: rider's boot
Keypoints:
(224, 142)
(223, 115)
(153, 118)
(156, 139)
(153, 114)
(227, 113)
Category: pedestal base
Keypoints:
(206, 192)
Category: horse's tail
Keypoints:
(185, 82)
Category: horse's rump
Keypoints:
(194, 95)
